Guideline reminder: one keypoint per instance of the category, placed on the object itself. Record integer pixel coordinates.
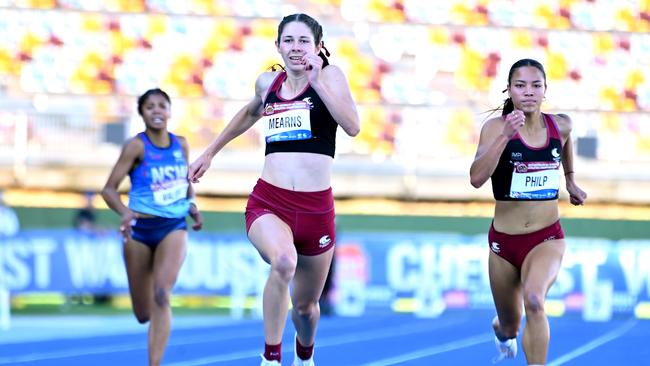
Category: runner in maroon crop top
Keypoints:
(522, 151)
(290, 213)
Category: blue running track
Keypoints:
(458, 337)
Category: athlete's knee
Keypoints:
(161, 296)
(306, 309)
(533, 302)
(284, 266)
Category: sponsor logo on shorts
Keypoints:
(552, 237)
(324, 241)
(496, 247)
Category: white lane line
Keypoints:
(442, 348)
(607, 337)
(322, 342)
(404, 329)
(48, 328)
(10, 360)
(132, 346)
(125, 347)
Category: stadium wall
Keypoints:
(233, 222)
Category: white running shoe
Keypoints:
(506, 349)
(266, 362)
(297, 361)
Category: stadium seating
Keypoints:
(424, 65)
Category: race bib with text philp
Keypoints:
(535, 180)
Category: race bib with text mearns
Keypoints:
(286, 121)
(535, 180)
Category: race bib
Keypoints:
(286, 121)
(535, 180)
(169, 192)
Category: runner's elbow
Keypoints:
(353, 130)
(106, 193)
(476, 181)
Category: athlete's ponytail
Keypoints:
(324, 55)
(508, 106)
(275, 67)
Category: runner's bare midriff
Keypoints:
(521, 217)
(304, 172)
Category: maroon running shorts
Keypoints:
(515, 248)
(309, 215)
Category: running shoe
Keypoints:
(297, 361)
(266, 362)
(506, 349)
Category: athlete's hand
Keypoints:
(128, 219)
(514, 121)
(195, 214)
(198, 168)
(577, 196)
(313, 66)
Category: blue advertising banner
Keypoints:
(428, 273)
(72, 262)
(420, 273)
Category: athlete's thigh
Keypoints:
(542, 264)
(506, 289)
(310, 277)
(138, 260)
(169, 257)
(272, 237)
